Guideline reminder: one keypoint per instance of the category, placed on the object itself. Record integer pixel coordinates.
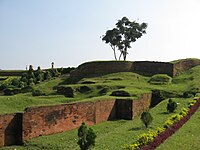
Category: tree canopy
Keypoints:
(121, 37)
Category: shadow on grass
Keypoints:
(135, 129)
(164, 113)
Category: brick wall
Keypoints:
(151, 68)
(92, 69)
(141, 105)
(53, 119)
(100, 68)
(45, 120)
(10, 129)
(105, 110)
(145, 67)
(184, 65)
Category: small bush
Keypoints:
(146, 118)
(134, 146)
(67, 91)
(191, 103)
(47, 75)
(37, 93)
(160, 79)
(121, 93)
(83, 89)
(15, 82)
(184, 112)
(171, 120)
(171, 106)
(86, 137)
(146, 138)
(11, 91)
(26, 89)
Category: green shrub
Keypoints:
(168, 123)
(37, 93)
(160, 130)
(191, 103)
(86, 137)
(15, 82)
(160, 79)
(191, 93)
(146, 118)
(134, 146)
(55, 73)
(47, 75)
(26, 89)
(171, 106)
(171, 120)
(11, 91)
(184, 112)
(145, 138)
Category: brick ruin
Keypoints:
(46, 120)
(91, 69)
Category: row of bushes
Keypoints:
(15, 85)
(152, 139)
(13, 91)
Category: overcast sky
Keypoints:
(67, 32)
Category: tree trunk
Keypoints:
(115, 54)
(120, 55)
(125, 53)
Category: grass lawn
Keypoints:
(186, 138)
(111, 135)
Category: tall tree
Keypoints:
(121, 37)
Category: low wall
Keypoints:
(45, 120)
(10, 129)
(141, 105)
(151, 67)
(91, 69)
(53, 119)
(184, 65)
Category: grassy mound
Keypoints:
(160, 79)
(97, 88)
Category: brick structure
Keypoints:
(10, 129)
(152, 67)
(184, 65)
(45, 120)
(91, 69)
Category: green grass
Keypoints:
(179, 60)
(111, 135)
(17, 103)
(186, 138)
(133, 83)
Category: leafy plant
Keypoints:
(171, 106)
(146, 118)
(123, 35)
(37, 93)
(86, 137)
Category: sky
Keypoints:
(68, 32)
